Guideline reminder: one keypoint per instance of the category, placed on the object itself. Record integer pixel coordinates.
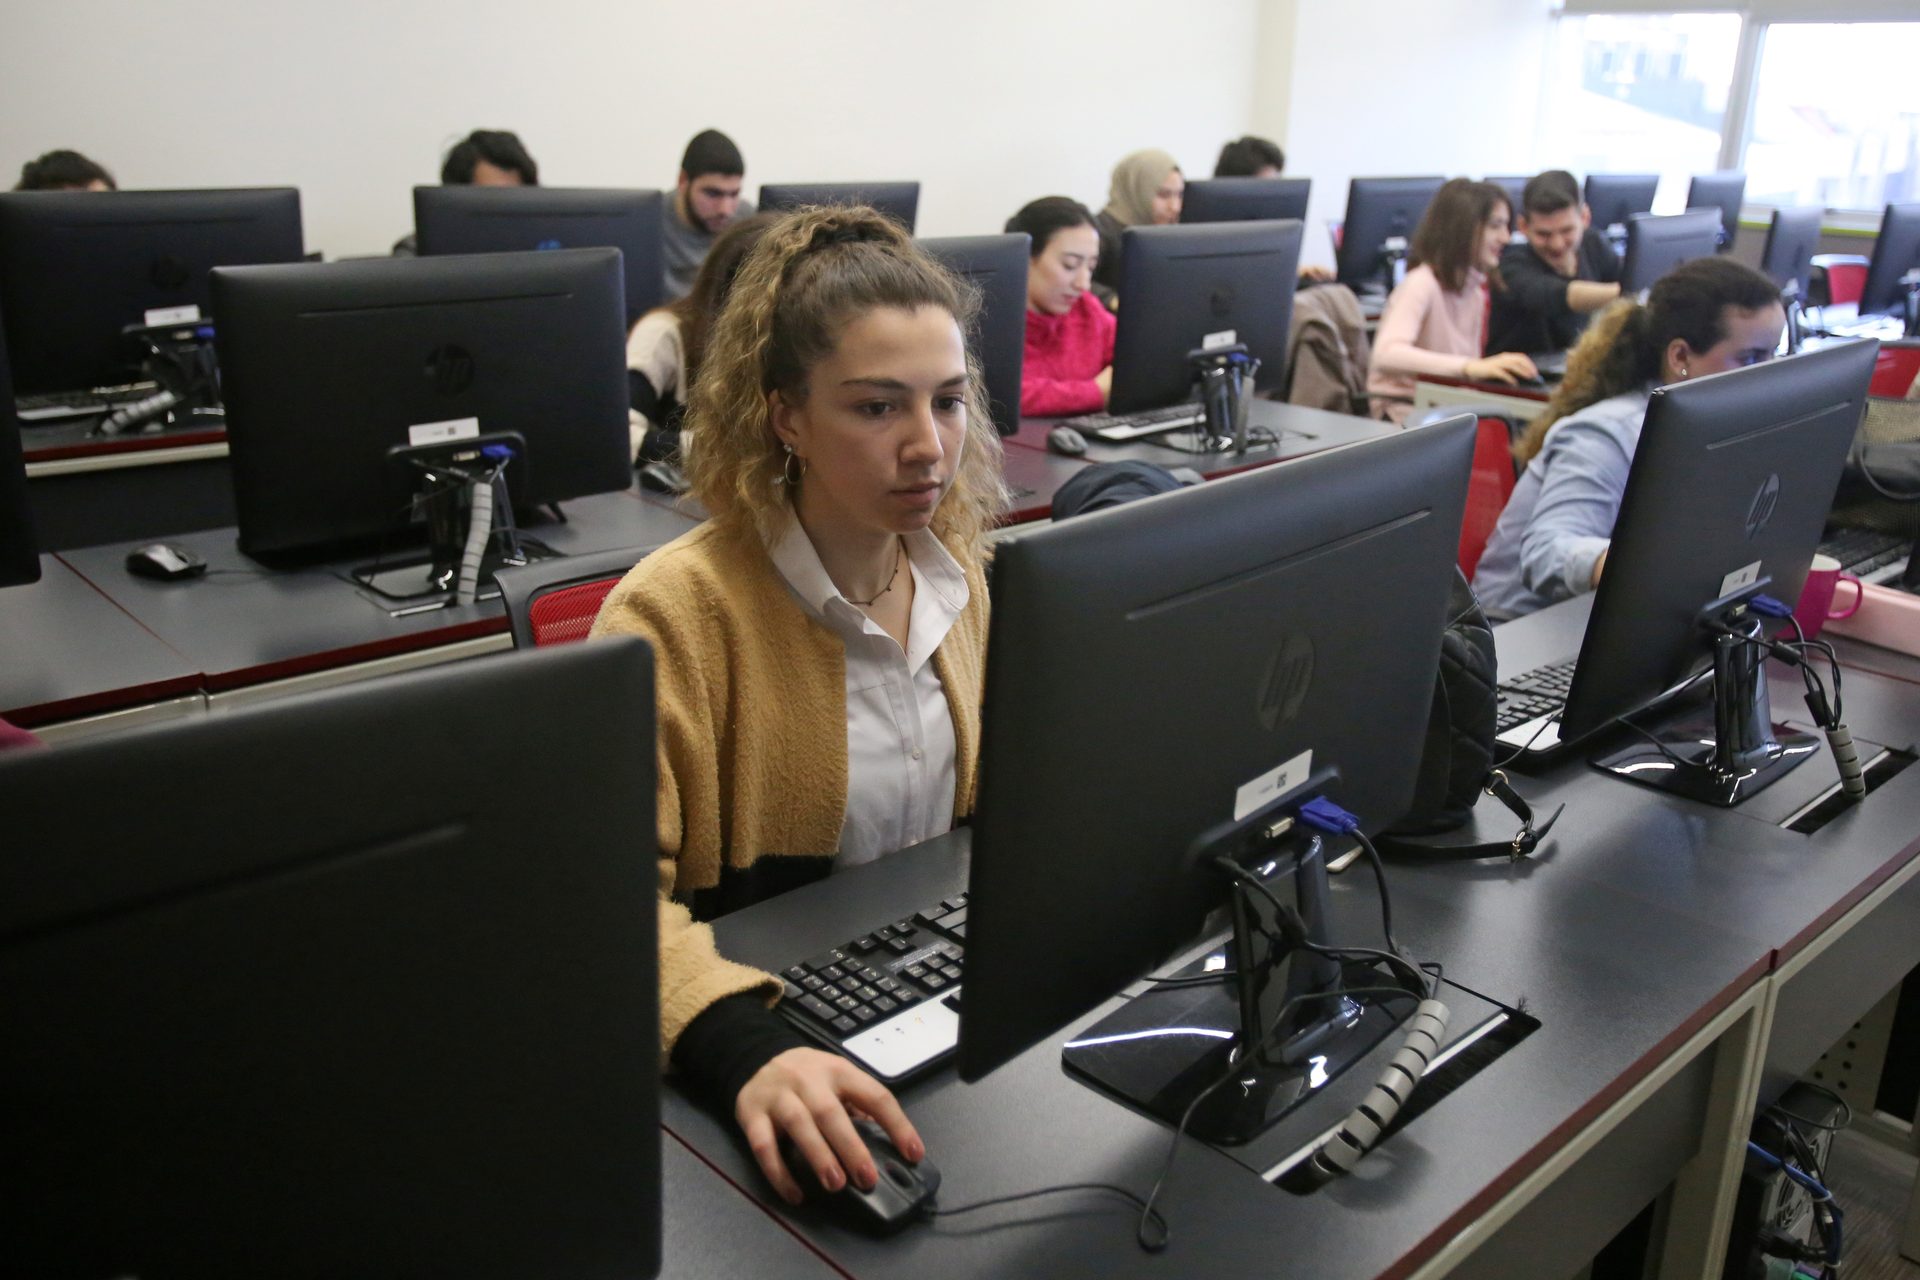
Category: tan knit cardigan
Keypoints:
(751, 694)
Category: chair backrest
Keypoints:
(1489, 488)
(555, 601)
(1894, 370)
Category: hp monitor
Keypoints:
(1382, 214)
(329, 367)
(997, 266)
(1615, 197)
(1184, 288)
(1723, 193)
(1515, 187)
(1245, 199)
(498, 219)
(1896, 251)
(388, 1005)
(898, 200)
(78, 267)
(1656, 246)
(1792, 239)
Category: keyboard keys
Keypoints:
(845, 1025)
(817, 1007)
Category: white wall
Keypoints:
(989, 103)
(1382, 88)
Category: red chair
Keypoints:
(1895, 369)
(1838, 279)
(555, 601)
(1489, 487)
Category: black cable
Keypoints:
(1524, 747)
(1845, 1106)
(1859, 460)
(1147, 1211)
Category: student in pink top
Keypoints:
(1069, 359)
(1435, 322)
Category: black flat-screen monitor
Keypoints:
(898, 200)
(328, 366)
(1657, 245)
(19, 550)
(1183, 288)
(1733, 481)
(1245, 199)
(1896, 251)
(1723, 193)
(497, 219)
(1792, 239)
(997, 266)
(388, 1005)
(1515, 187)
(1379, 210)
(77, 267)
(1238, 642)
(1614, 197)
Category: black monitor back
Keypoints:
(326, 367)
(500, 219)
(76, 267)
(1792, 239)
(1245, 199)
(1656, 246)
(898, 200)
(1733, 479)
(1377, 210)
(347, 984)
(19, 550)
(1515, 187)
(1896, 251)
(1181, 285)
(1160, 668)
(1615, 197)
(1723, 193)
(997, 266)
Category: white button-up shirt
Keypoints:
(900, 745)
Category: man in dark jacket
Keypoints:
(1566, 271)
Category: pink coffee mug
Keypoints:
(1816, 609)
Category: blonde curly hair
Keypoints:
(812, 272)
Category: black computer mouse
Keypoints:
(663, 477)
(164, 561)
(1067, 441)
(899, 1194)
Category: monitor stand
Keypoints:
(1741, 751)
(1172, 1040)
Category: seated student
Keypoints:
(1548, 288)
(484, 158)
(665, 348)
(1704, 316)
(1436, 320)
(64, 171)
(706, 200)
(1250, 157)
(1069, 359)
(1145, 192)
(819, 643)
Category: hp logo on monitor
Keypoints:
(1765, 503)
(450, 369)
(1289, 675)
(170, 273)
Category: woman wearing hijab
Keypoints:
(1146, 191)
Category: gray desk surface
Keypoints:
(710, 1232)
(241, 624)
(66, 650)
(1304, 431)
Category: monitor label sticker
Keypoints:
(1215, 341)
(1271, 785)
(436, 432)
(1739, 579)
(188, 314)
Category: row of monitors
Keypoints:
(254, 931)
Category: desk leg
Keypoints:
(1700, 1217)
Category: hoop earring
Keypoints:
(787, 477)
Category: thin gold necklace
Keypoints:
(902, 554)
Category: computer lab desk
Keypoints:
(1678, 959)
(85, 490)
(92, 647)
(1300, 431)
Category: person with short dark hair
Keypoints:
(1069, 356)
(64, 171)
(1250, 157)
(706, 200)
(1435, 322)
(484, 158)
(1548, 288)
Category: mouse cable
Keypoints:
(1152, 1244)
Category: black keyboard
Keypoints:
(1539, 692)
(1868, 554)
(1116, 428)
(889, 999)
(77, 404)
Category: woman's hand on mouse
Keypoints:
(805, 1094)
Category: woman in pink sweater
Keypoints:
(1436, 321)
(1069, 360)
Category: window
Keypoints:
(1836, 116)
